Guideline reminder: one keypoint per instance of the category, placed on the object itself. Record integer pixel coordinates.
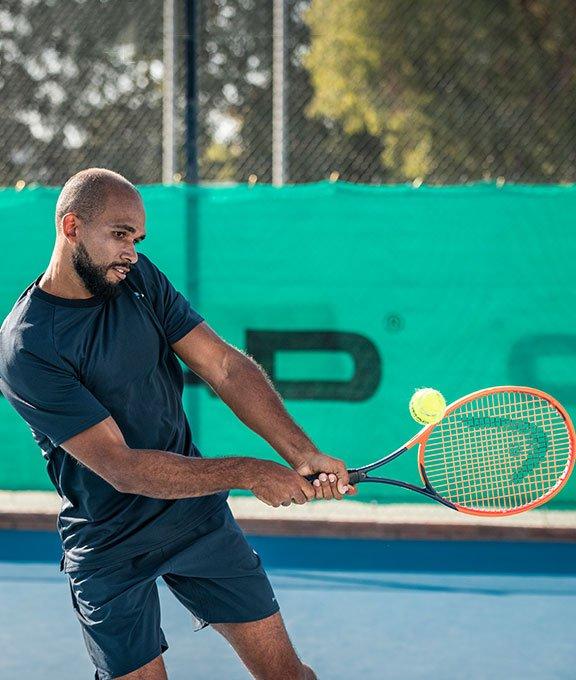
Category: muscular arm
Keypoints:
(163, 474)
(244, 387)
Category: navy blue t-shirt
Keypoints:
(66, 365)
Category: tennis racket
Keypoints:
(497, 451)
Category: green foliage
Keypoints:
(222, 159)
(452, 90)
(378, 90)
(236, 84)
(81, 85)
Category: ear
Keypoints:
(70, 223)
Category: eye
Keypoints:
(121, 233)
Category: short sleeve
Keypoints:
(49, 397)
(179, 317)
(173, 309)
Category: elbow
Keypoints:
(227, 368)
(120, 485)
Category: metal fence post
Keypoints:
(279, 95)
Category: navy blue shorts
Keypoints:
(213, 572)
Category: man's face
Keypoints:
(108, 243)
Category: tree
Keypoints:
(454, 90)
(236, 85)
(81, 85)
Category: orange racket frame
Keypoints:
(422, 437)
(358, 475)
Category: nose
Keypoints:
(130, 256)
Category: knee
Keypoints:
(308, 673)
(289, 671)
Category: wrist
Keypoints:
(301, 456)
(250, 470)
(245, 473)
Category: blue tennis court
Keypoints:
(354, 608)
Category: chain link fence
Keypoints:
(376, 91)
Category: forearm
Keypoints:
(250, 394)
(162, 474)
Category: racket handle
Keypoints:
(354, 476)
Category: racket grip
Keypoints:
(354, 476)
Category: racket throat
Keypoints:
(423, 490)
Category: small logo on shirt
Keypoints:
(139, 295)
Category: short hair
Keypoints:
(86, 192)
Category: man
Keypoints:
(88, 359)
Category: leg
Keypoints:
(155, 670)
(220, 580)
(119, 612)
(265, 649)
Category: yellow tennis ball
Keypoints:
(427, 406)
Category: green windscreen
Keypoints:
(350, 297)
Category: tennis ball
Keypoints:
(427, 406)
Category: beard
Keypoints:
(93, 276)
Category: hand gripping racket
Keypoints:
(498, 451)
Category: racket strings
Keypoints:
(498, 452)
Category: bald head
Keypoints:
(87, 192)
